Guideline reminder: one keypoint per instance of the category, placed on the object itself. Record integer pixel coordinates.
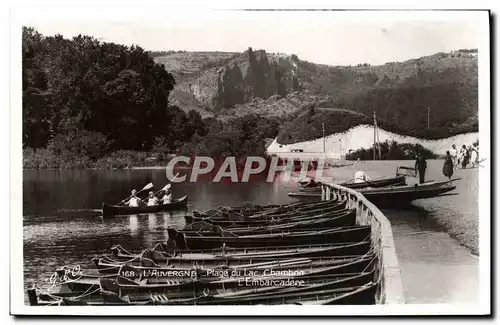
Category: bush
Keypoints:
(392, 151)
(123, 159)
(75, 142)
(39, 159)
(46, 159)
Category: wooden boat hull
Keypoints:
(394, 196)
(330, 219)
(326, 221)
(111, 210)
(238, 288)
(344, 296)
(279, 213)
(286, 239)
(394, 181)
(400, 180)
(181, 268)
(157, 255)
(404, 197)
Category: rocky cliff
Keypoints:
(249, 76)
(235, 84)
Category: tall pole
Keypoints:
(374, 134)
(324, 144)
(340, 149)
(428, 116)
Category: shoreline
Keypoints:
(465, 232)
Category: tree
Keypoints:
(82, 83)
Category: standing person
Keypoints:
(454, 156)
(448, 165)
(152, 199)
(421, 166)
(134, 200)
(464, 156)
(474, 158)
(167, 198)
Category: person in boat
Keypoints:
(361, 177)
(311, 183)
(134, 201)
(308, 182)
(152, 199)
(448, 166)
(421, 166)
(454, 156)
(167, 197)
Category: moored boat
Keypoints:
(277, 238)
(404, 195)
(276, 213)
(395, 195)
(343, 217)
(159, 254)
(383, 182)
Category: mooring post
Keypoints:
(32, 298)
(358, 209)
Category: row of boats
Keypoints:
(300, 253)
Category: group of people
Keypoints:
(152, 199)
(454, 158)
(465, 156)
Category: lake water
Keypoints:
(61, 224)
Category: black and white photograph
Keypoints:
(250, 162)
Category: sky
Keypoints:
(334, 38)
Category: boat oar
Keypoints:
(164, 188)
(147, 187)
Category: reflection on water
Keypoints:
(133, 225)
(61, 226)
(151, 221)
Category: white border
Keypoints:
(105, 11)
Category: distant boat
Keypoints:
(403, 195)
(314, 186)
(395, 195)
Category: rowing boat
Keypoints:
(383, 182)
(395, 195)
(276, 238)
(158, 254)
(356, 295)
(403, 195)
(333, 218)
(172, 268)
(111, 210)
(237, 287)
(281, 212)
(394, 181)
